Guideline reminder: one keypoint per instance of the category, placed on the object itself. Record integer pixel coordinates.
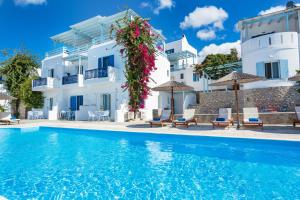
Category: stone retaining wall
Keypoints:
(281, 99)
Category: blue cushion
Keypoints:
(13, 117)
(156, 119)
(253, 119)
(220, 119)
(181, 119)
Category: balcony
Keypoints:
(70, 79)
(95, 73)
(58, 51)
(73, 79)
(43, 84)
(179, 67)
(101, 75)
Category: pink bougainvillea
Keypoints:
(138, 48)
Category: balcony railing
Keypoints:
(95, 73)
(57, 51)
(39, 82)
(70, 79)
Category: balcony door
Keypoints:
(106, 101)
(76, 102)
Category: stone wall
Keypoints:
(282, 99)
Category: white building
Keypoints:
(182, 57)
(270, 47)
(88, 75)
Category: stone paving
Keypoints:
(274, 132)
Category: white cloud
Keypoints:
(163, 4)
(145, 5)
(206, 34)
(204, 16)
(236, 28)
(271, 10)
(28, 2)
(222, 48)
(274, 9)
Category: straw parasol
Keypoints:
(172, 86)
(235, 79)
(4, 96)
(295, 78)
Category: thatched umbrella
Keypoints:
(295, 78)
(235, 79)
(172, 86)
(4, 96)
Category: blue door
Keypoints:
(73, 102)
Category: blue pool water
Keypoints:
(53, 163)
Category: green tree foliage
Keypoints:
(31, 99)
(211, 64)
(16, 69)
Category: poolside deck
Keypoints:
(273, 132)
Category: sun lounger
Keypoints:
(224, 118)
(164, 118)
(8, 119)
(297, 121)
(251, 117)
(187, 118)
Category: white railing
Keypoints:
(57, 51)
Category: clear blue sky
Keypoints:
(31, 22)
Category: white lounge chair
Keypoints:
(251, 117)
(297, 121)
(8, 119)
(224, 118)
(164, 118)
(187, 118)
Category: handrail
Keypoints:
(70, 79)
(95, 73)
(39, 82)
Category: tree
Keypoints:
(212, 64)
(31, 99)
(18, 66)
(138, 48)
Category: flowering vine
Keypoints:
(138, 48)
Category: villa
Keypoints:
(88, 75)
(271, 47)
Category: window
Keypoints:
(168, 73)
(181, 76)
(270, 41)
(292, 38)
(80, 69)
(196, 77)
(272, 70)
(51, 104)
(169, 51)
(51, 73)
(281, 39)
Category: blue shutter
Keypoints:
(284, 69)
(99, 63)
(260, 69)
(111, 61)
(73, 102)
(194, 77)
(79, 101)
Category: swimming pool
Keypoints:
(49, 163)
